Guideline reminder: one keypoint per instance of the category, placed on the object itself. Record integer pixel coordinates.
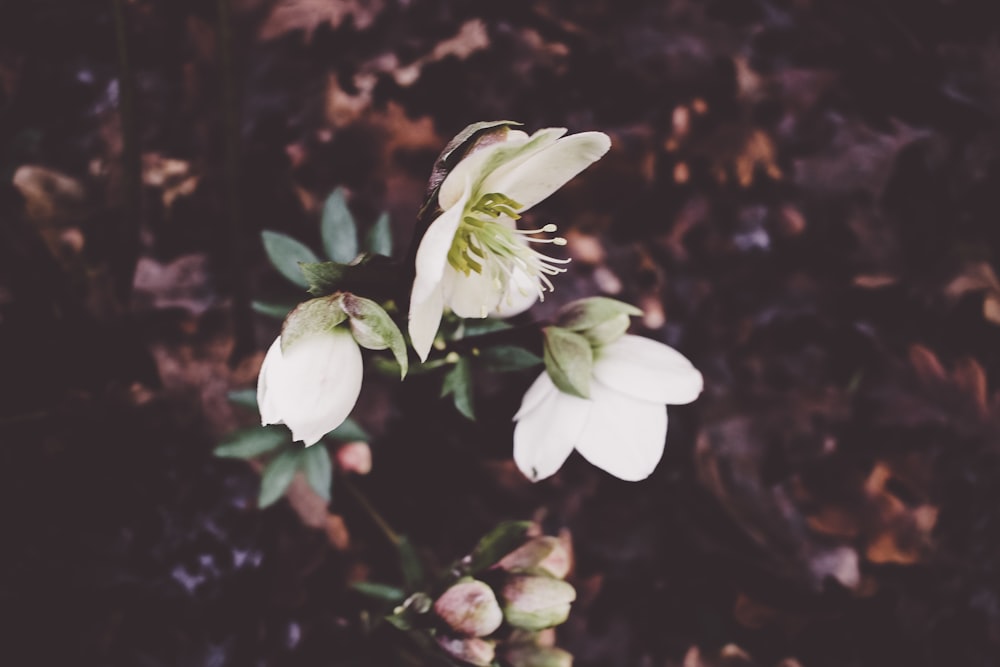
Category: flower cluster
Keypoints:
(602, 393)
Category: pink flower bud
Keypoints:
(545, 552)
(472, 650)
(470, 608)
(355, 457)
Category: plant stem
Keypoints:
(372, 513)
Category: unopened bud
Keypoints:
(536, 602)
(470, 608)
(355, 457)
(545, 552)
(538, 656)
(472, 650)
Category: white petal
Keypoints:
(624, 436)
(522, 293)
(509, 155)
(531, 179)
(545, 436)
(473, 295)
(469, 169)
(432, 253)
(318, 385)
(265, 395)
(425, 318)
(648, 370)
(537, 392)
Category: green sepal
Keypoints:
(374, 329)
(286, 254)
(278, 474)
(379, 238)
(606, 332)
(584, 314)
(338, 229)
(251, 443)
(458, 385)
(569, 361)
(318, 469)
(310, 317)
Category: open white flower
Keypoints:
(622, 427)
(311, 387)
(473, 258)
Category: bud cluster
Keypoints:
(507, 613)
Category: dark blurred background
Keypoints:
(802, 195)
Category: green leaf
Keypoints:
(374, 329)
(349, 431)
(273, 309)
(249, 443)
(368, 274)
(379, 591)
(311, 317)
(458, 385)
(285, 254)
(503, 358)
(244, 398)
(379, 239)
(496, 544)
(277, 476)
(569, 361)
(340, 233)
(410, 565)
(473, 328)
(315, 463)
(596, 310)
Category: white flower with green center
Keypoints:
(622, 427)
(473, 258)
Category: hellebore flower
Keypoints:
(473, 258)
(622, 427)
(312, 386)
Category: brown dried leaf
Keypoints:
(926, 364)
(308, 15)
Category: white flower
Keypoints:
(473, 258)
(622, 427)
(311, 387)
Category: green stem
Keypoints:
(127, 240)
(372, 513)
(242, 307)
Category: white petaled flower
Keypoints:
(473, 258)
(311, 387)
(622, 427)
